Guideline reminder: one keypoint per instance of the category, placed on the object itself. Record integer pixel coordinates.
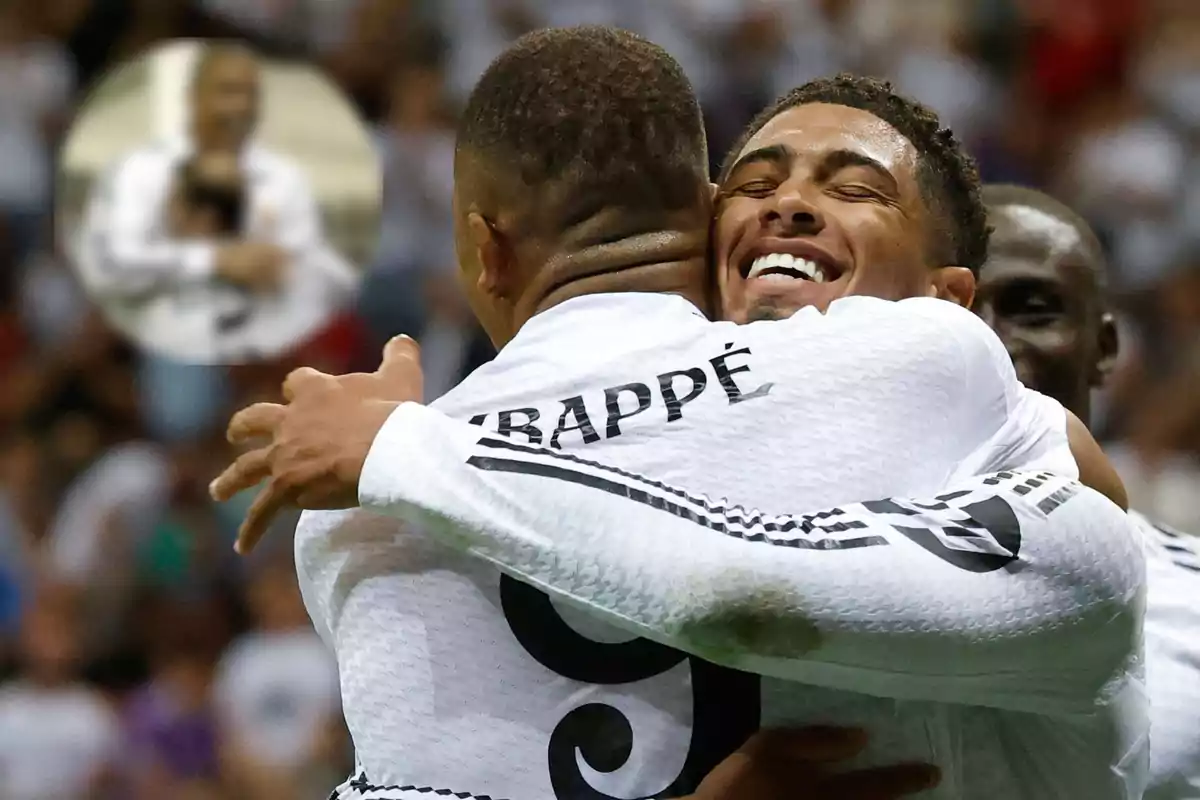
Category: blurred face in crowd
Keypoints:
(225, 100)
(824, 202)
(1039, 292)
(50, 648)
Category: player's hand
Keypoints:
(257, 266)
(314, 447)
(800, 764)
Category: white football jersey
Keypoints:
(1172, 660)
(161, 292)
(956, 630)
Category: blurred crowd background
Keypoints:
(141, 658)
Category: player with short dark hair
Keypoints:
(586, 458)
(911, 196)
(1044, 291)
(948, 176)
(580, 191)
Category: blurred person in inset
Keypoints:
(212, 292)
(171, 728)
(58, 738)
(277, 694)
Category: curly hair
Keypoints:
(948, 177)
(606, 116)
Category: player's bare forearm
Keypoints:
(1095, 470)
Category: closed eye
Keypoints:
(856, 192)
(759, 188)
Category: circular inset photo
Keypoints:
(216, 204)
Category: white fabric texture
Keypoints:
(1172, 660)
(455, 678)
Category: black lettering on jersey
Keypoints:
(725, 703)
(507, 427)
(478, 419)
(725, 375)
(675, 403)
(988, 516)
(574, 407)
(612, 404)
(574, 416)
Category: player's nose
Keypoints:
(791, 213)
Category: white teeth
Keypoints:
(786, 261)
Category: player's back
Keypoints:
(457, 678)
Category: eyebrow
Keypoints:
(774, 154)
(831, 162)
(840, 159)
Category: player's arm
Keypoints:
(1034, 430)
(126, 241)
(1015, 590)
(1095, 469)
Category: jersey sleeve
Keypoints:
(1017, 590)
(1032, 430)
(125, 239)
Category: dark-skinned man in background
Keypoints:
(1043, 290)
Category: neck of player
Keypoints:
(663, 262)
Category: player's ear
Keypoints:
(1108, 347)
(492, 255)
(956, 284)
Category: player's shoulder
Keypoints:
(940, 319)
(947, 318)
(945, 332)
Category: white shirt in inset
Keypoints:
(161, 292)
